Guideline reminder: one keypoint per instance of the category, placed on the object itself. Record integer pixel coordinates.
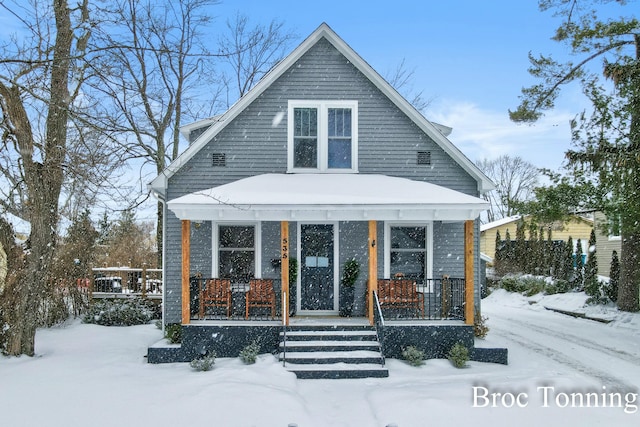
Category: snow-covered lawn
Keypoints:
(88, 375)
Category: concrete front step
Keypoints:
(344, 352)
(337, 371)
(340, 345)
(323, 357)
(331, 335)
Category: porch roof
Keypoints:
(322, 197)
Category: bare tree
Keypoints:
(156, 61)
(158, 67)
(251, 52)
(515, 181)
(39, 83)
(401, 78)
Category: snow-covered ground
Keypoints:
(93, 375)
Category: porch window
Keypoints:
(322, 136)
(236, 256)
(408, 253)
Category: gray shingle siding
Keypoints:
(388, 143)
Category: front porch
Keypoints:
(276, 252)
(435, 299)
(347, 216)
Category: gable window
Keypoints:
(322, 136)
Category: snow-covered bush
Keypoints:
(533, 285)
(413, 355)
(459, 355)
(204, 363)
(173, 333)
(249, 354)
(121, 312)
(480, 329)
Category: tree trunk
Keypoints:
(44, 182)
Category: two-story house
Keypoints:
(321, 163)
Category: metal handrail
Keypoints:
(379, 324)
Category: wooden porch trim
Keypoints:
(469, 308)
(373, 269)
(186, 267)
(284, 268)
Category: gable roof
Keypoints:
(434, 131)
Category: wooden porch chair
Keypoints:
(260, 294)
(216, 293)
(400, 293)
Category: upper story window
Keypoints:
(323, 136)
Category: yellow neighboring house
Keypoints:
(577, 227)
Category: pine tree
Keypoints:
(607, 139)
(104, 229)
(591, 285)
(520, 251)
(549, 255)
(508, 258)
(567, 262)
(542, 254)
(499, 253)
(579, 276)
(614, 277)
(531, 248)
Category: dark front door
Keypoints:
(316, 272)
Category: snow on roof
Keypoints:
(324, 196)
(499, 222)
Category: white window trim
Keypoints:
(428, 246)
(257, 242)
(323, 144)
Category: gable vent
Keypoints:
(424, 157)
(219, 159)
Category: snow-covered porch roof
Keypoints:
(322, 197)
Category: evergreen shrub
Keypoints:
(121, 312)
(413, 355)
(204, 363)
(250, 353)
(173, 333)
(459, 355)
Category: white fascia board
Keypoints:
(325, 213)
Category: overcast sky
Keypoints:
(469, 57)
